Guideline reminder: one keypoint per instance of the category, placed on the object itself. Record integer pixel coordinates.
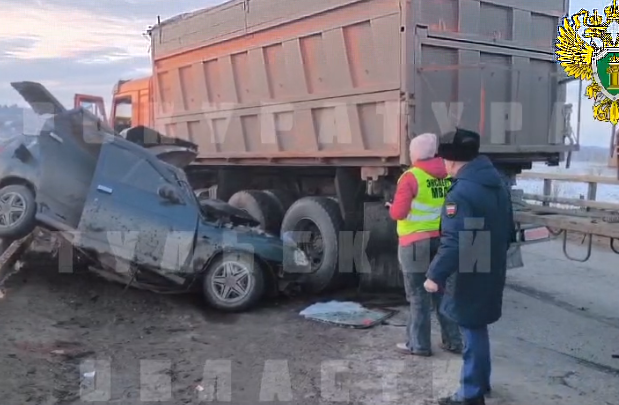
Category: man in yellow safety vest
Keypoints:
(416, 207)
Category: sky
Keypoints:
(86, 46)
(79, 46)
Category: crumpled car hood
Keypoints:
(223, 209)
(175, 151)
(40, 99)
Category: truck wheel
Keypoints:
(17, 211)
(283, 198)
(260, 206)
(315, 224)
(234, 282)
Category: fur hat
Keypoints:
(460, 145)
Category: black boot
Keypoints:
(454, 401)
(451, 349)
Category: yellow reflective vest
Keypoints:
(425, 212)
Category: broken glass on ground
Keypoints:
(346, 314)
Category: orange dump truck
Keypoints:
(303, 109)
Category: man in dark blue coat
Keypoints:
(477, 227)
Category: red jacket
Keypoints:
(407, 190)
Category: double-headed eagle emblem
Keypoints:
(595, 61)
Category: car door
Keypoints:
(65, 173)
(128, 217)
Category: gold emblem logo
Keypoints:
(587, 48)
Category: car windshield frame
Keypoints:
(180, 178)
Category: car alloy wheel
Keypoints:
(232, 281)
(12, 209)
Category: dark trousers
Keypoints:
(414, 260)
(476, 368)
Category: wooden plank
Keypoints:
(542, 210)
(572, 178)
(570, 223)
(572, 201)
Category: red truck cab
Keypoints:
(131, 104)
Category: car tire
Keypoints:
(24, 224)
(254, 289)
(260, 206)
(283, 198)
(319, 214)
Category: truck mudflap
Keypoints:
(381, 271)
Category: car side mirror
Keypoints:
(169, 194)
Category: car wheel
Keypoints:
(283, 198)
(260, 206)
(17, 211)
(314, 223)
(234, 282)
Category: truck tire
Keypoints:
(246, 292)
(17, 212)
(260, 206)
(320, 216)
(283, 198)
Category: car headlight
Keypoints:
(300, 258)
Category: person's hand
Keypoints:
(430, 286)
(388, 204)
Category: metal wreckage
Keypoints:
(126, 206)
(300, 127)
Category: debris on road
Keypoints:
(346, 314)
(9, 264)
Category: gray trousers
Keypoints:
(415, 260)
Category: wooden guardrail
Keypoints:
(592, 187)
(591, 218)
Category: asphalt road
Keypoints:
(553, 345)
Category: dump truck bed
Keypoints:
(348, 82)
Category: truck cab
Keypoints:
(131, 104)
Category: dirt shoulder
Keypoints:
(55, 325)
